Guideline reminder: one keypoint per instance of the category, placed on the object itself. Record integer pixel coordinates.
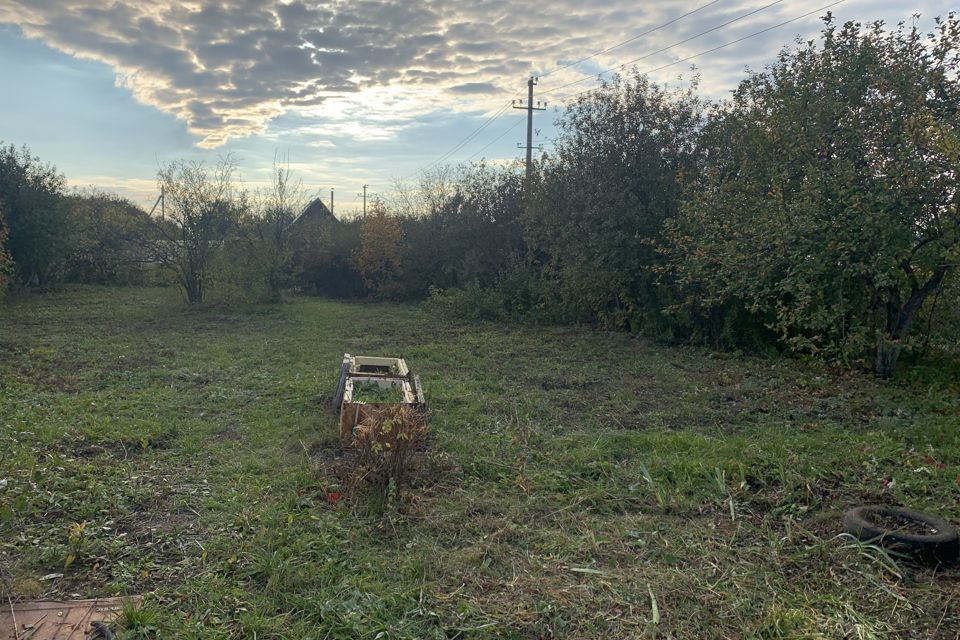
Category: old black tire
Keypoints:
(942, 545)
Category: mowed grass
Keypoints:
(578, 484)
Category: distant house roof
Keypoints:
(315, 213)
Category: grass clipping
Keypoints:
(385, 445)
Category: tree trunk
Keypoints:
(888, 351)
(897, 320)
(192, 286)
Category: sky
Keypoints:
(353, 92)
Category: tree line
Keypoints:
(813, 211)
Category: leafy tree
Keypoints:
(31, 195)
(601, 198)
(325, 264)
(827, 203)
(943, 319)
(202, 208)
(378, 260)
(465, 230)
(270, 229)
(104, 247)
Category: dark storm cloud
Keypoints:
(228, 67)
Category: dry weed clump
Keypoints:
(385, 446)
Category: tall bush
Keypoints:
(826, 204)
(461, 226)
(104, 247)
(31, 194)
(598, 207)
(203, 207)
(378, 259)
(324, 265)
(268, 230)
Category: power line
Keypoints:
(479, 129)
(667, 48)
(629, 40)
(473, 134)
(722, 46)
(530, 106)
(497, 139)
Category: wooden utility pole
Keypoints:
(160, 201)
(364, 201)
(530, 107)
(331, 201)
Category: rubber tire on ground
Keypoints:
(942, 546)
(102, 631)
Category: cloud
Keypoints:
(474, 87)
(228, 68)
(138, 190)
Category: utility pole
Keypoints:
(331, 201)
(530, 107)
(160, 201)
(365, 201)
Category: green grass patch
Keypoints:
(578, 484)
(372, 392)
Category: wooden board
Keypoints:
(353, 413)
(342, 382)
(58, 620)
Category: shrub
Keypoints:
(378, 260)
(106, 247)
(599, 204)
(385, 444)
(825, 206)
(521, 294)
(31, 195)
(324, 264)
(461, 227)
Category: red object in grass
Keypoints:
(333, 497)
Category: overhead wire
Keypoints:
(717, 48)
(667, 48)
(497, 114)
(497, 139)
(628, 40)
(473, 134)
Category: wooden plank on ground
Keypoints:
(58, 620)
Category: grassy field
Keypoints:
(579, 484)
